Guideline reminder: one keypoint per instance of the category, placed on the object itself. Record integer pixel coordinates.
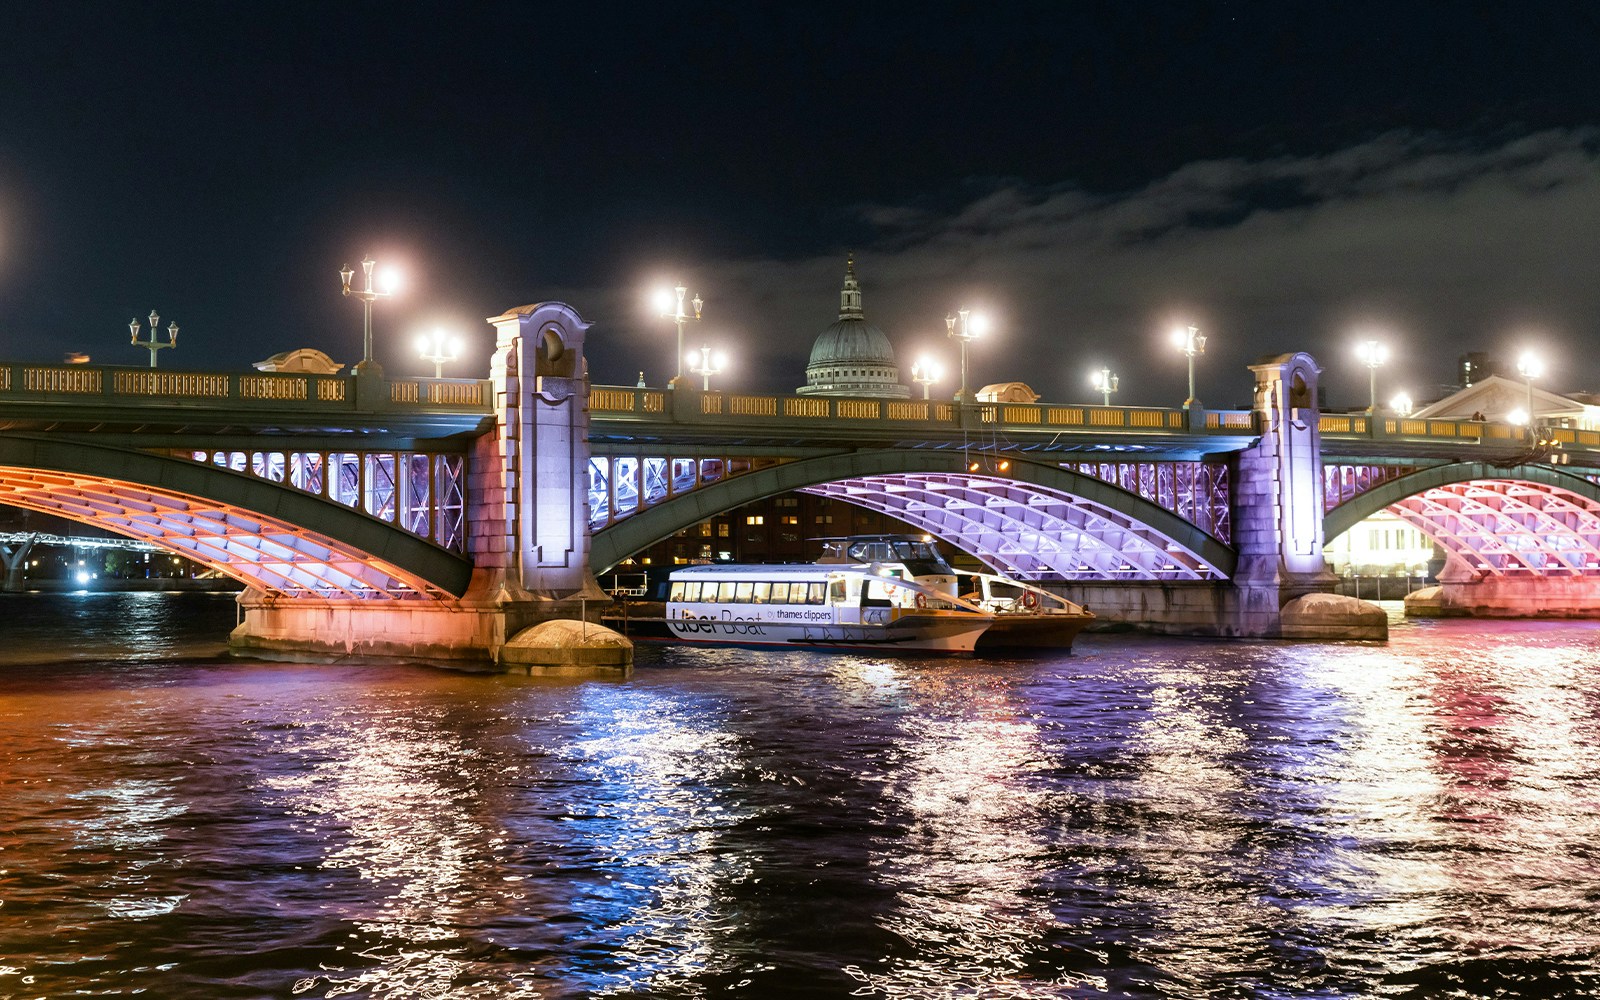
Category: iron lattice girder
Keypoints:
(250, 530)
(1024, 530)
(1070, 489)
(1501, 527)
(422, 493)
(1449, 521)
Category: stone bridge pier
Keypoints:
(1281, 586)
(527, 527)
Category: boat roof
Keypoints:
(768, 570)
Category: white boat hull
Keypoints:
(929, 633)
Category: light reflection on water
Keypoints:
(1147, 817)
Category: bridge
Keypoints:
(440, 517)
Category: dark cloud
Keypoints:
(1440, 248)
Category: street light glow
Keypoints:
(1372, 354)
(670, 304)
(438, 347)
(1530, 365)
(1105, 382)
(1401, 405)
(706, 364)
(1190, 341)
(925, 373)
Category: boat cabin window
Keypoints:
(762, 594)
(691, 590)
(725, 592)
(780, 593)
(818, 595)
(677, 592)
(836, 591)
(741, 592)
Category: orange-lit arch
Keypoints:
(254, 532)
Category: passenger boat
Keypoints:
(1025, 616)
(818, 606)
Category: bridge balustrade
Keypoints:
(608, 403)
(143, 384)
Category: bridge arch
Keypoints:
(1032, 520)
(251, 530)
(1529, 520)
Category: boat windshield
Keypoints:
(920, 557)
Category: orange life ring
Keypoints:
(1030, 600)
(922, 600)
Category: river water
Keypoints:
(1146, 817)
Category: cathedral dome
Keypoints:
(852, 357)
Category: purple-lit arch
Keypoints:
(1023, 530)
(257, 533)
(1083, 526)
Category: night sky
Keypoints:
(1288, 176)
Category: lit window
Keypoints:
(755, 519)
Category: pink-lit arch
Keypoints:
(1531, 520)
(1509, 527)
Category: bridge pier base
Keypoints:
(1508, 597)
(481, 635)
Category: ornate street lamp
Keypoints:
(1401, 405)
(971, 328)
(925, 373)
(1372, 354)
(708, 365)
(675, 312)
(1190, 341)
(439, 347)
(1530, 367)
(1105, 383)
(153, 345)
(367, 295)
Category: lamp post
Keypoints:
(367, 295)
(438, 347)
(675, 312)
(971, 328)
(1190, 341)
(1530, 367)
(153, 345)
(1105, 383)
(925, 373)
(1372, 354)
(1401, 405)
(709, 365)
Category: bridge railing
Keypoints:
(75, 383)
(688, 406)
(1480, 432)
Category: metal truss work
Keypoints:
(264, 552)
(1195, 491)
(620, 486)
(1024, 530)
(423, 493)
(1342, 483)
(1503, 527)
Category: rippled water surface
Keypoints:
(1146, 818)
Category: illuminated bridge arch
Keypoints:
(1034, 520)
(265, 536)
(1529, 521)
